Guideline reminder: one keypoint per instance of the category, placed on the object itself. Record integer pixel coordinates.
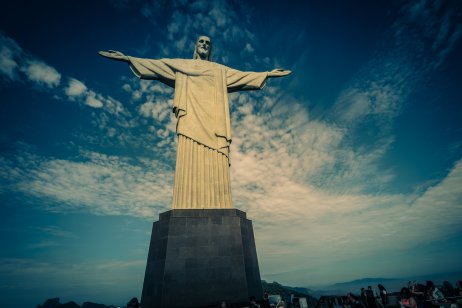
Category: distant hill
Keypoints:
(54, 303)
(391, 284)
(365, 281)
(286, 291)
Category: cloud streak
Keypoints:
(9, 52)
(14, 60)
(98, 184)
(41, 73)
(104, 282)
(424, 28)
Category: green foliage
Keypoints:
(285, 291)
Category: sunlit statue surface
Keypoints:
(201, 106)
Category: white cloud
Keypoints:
(158, 110)
(113, 119)
(422, 36)
(140, 88)
(295, 222)
(41, 73)
(92, 100)
(114, 107)
(298, 177)
(217, 19)
(8, 65)
(57, 232)
(248, 48)
(43, 244)
(75, 88)
(13, 59)
(219, 16)
(181, 43)
(9, 53)
(280, 134)
(100, 184)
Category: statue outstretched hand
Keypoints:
(279, 72)
(114, 55)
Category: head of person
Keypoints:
(405, 293)
(133, 303)
(203, 48)
(430, 285)
(252, 299)
(351, 298)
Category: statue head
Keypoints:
(203, 49)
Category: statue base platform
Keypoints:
(198, 258)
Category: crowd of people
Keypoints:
(253, 303)
(264, 303)
(414, 295)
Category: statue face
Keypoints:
(203, 46)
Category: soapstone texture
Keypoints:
(198, 258)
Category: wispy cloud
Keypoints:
(114, 120)
(110, 282)
(295, 223)
(96, 183)
(75, 88)
(14, 60)
(41, 73)
(9, 54)
(225, 22)
(56, 232)
(422, 36)
(92, 101)
(44, 244)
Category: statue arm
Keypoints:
(279, 72)
(237, 80)
(145, 68)
(152, 69)
(114, 55)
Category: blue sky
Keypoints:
(349, 168)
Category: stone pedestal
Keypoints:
(197, 258)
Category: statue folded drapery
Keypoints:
(201, 106)
(201, 95)
(204, 133)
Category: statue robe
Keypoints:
(203, 128)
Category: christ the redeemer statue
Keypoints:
(202, 109)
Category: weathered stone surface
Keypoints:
(199, 258)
